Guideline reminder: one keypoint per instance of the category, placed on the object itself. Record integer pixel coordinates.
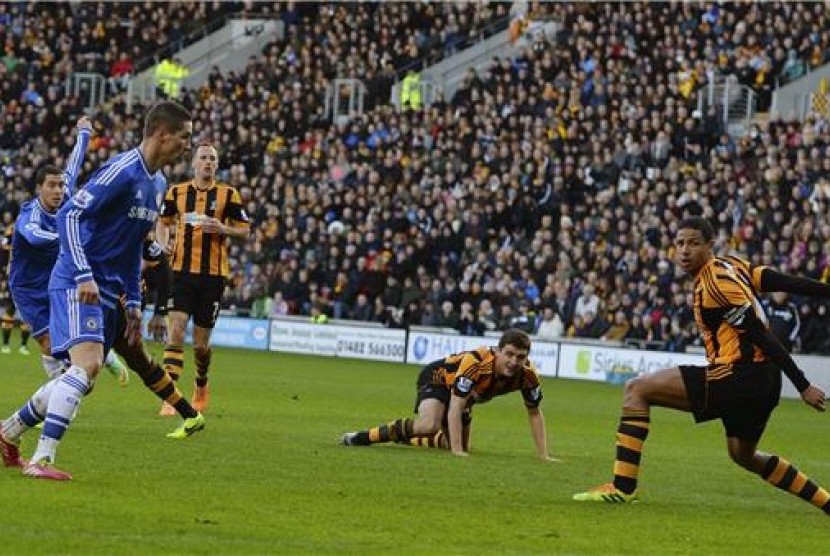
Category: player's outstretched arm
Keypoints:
(775, 281)
(76, 157)
(759, 335)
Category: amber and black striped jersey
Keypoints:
(155, 277)
(153, 257)
(6, 248)
(196, 252)
(471, 374)
(725, 289)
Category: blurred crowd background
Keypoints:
(543, 194)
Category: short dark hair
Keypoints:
(168, 114)
(516, 338)
(700, 224)
(46, 170)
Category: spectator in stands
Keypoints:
(522, 137)
(362, 310)
(814, 337)
(468, 323)
(448, 317)
(279, 306)
(784, 320)
(551, 325)
(619, 330)
(120, 72)
(587, 302)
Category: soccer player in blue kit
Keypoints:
(34, 249)
(102, 231)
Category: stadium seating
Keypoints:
(560, 169)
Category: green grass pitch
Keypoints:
(267, 476)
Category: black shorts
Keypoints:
(743, 401)
(427, 389)
(197, 296)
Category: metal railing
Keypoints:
(344, 99)
(89, 88)
(736, 103)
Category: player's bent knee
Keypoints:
(89, 357)
(92, 370)
(633, 388)
(429, 429)
(739, 459)
(428, 425)
(742, 454)
(176, 336)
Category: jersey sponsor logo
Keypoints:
(194, 218)
(143, 213)
(463, 384)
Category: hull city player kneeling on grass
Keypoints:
(741, 385)
(448, 388)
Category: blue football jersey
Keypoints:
(35, 238)
(103, 226)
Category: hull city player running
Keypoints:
(741, 385)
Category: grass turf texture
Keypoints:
(267, 475)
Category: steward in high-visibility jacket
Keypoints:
(411, 91)
(169, 75)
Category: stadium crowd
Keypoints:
(542, 195)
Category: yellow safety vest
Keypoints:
(411, 91)
(169, 77)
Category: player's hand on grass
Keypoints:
(814, 397)
(132, 333)
(88, 292)
(157, 328)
